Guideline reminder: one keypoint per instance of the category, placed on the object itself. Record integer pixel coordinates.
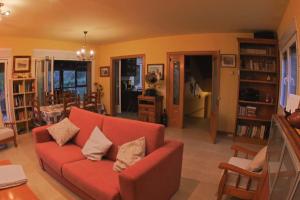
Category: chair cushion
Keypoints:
(121, 131)
(258, 161)
(96, 178)
(86, 121)
(233, 176)
(6, 133)
(56, 156)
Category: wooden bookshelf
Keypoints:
(24, 90)
(258, 89)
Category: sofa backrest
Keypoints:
(86, 121)
(120, 131)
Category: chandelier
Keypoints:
(84, 53)
(4, 12)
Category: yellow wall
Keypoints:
(24, 46)
(156, 50)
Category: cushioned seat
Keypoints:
(96, 178)
(232, 176)
(6, 133)
(56, 156)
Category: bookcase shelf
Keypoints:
(24, 90)
(258, 89)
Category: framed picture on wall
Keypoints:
(104, 71)
(157, 69)
(21, 64)
(228, 60)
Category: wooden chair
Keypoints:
(68, 103)
(37, 119)
(49, 99)
(236, 180)
(8, 132)
(90, 102)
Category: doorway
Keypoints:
(193, 90)
(127, 85)
(3, 91)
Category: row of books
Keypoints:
(247, 111)
(258, 65)
(29, 87)
(259, 51)
(20, 115)
(252, 131)
(19, 101)
(18, 87)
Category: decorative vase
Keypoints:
(294, 119)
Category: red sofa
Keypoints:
(156, 177)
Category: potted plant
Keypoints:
(152, 81)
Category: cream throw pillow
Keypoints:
(130, 153)
(96, 146)
(63, 131)
(258, 161)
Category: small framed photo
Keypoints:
(104, 71)
(228, 60)
(21, 64)
(156, 68)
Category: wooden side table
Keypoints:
(150, 108)
(18, 192)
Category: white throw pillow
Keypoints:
(258, 161)
(130, 153)
(96, 146)
(63, 131)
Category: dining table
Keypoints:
(52, 113)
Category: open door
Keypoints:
(215, 98)
(176, 91)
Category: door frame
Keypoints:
(112, 77)
(191, 53)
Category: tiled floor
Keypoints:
(200, 174)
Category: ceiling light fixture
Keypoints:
(4, 12)
(83, 53)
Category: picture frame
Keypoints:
(228, 60)
(21, 64)
(105, 71)
(157, 68)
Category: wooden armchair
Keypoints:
(8, 133)
(37, 119)
(68, 103)
(90, 103)
(236, 180)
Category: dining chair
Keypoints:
(90, 102)
(237, 180)
(8, 132)
(37, 119)
(68, 103)
(49, 99)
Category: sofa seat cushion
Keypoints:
(86, 121)
(96, 178)
(56, 156)
(121, 131)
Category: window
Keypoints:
(289, 71)
(72, 76)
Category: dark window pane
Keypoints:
(176, 83)
(56, 79)
(69, 78)
(81, 91)
(81, 77)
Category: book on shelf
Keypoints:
(249, 111)
(258, 65)
(18, 100)
(18, 87)
(252, 131)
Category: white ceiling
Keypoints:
(121, 20)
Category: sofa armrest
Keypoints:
(157, 176)
(41, 134)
